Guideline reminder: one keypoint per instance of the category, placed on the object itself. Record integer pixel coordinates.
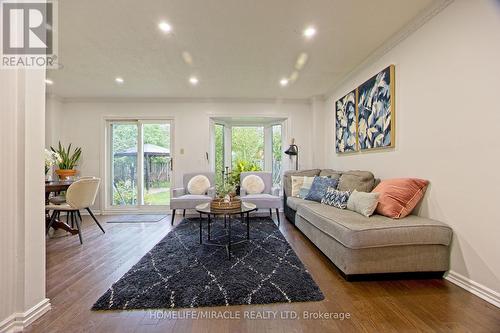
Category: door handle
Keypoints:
(171, 164)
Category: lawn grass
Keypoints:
(160, 198)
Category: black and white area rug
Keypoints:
(180, 273)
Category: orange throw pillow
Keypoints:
(398, 197)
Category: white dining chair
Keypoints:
(80, 195)
(61, 198)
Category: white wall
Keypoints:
(81, 123)
(22, 222)
(53, 111)
(447, 123)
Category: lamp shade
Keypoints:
(292, 150)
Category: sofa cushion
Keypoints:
(188, 201)
(356, 231)
(362, 181)
(330, 173)
(263, 200)
(287, 178)
(294, 202)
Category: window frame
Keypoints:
(266, 122)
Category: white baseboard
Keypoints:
(16, 322)
(477, 289)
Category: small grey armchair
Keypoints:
(182, 199)
(268, 199)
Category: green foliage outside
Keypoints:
(242, 166)
(124, 136)
(277, 154)
(247, 151)
(160, 198)
(247, 145)
(124, 193)
(219, 153)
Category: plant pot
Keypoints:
(64, 174)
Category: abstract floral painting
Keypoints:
(345, 123)
(376, 111)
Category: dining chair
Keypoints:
(61, 198)
(269, 198)
(80, 195)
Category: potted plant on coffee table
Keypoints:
(67, 161)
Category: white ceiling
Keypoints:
(240, 48)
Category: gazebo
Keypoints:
(150, 151)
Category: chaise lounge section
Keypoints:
(366, 247)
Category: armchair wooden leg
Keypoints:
(93, 217)
(173, 217)
(184, 213)
(271, 212)
(278, 216)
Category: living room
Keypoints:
(209, 143)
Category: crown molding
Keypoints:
(222, 100)
(425, 16)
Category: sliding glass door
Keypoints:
(124, 147)
(140, 165)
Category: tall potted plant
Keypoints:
(67, 161)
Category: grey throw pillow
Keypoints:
(363, 203)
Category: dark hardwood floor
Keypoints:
(77, 275)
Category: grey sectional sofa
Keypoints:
(362, 247)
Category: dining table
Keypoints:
(56, 187)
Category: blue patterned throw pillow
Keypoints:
(336, 198)
(319, 187)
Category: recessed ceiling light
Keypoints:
(309, 32)
(165, 27)
(284, 82)
(119, 80)
(49, 82)
(193, 80)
